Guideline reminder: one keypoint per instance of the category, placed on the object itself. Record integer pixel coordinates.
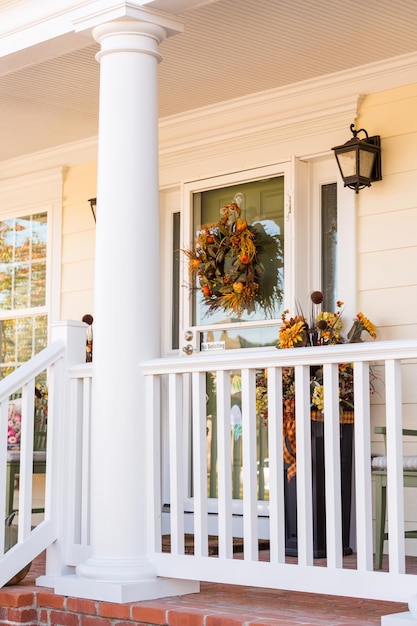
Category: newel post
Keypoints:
(73, 335)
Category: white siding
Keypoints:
(78, 242)
(387, 220)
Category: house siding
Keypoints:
(387, 218)
(386, 214)
(78, 242)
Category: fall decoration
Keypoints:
(324, 328)
(228, 260)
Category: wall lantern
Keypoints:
(359, 160)
(93, 204)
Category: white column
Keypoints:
(126, 317)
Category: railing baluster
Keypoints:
(395, 493)
(26, 460)
(55, 387)
(176, 463)
(153, 409)
(276, 465)
(85, 462)
(304, 495)
(224, 465)
(363, 484)
(250, 517)
(3, 460)
(332, 465)
(74, 444)
(200, 463)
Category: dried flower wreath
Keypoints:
(228, 260)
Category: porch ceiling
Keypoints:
(229, 48)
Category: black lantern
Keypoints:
(359, 160)
(93, 205)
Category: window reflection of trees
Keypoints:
(23, 326)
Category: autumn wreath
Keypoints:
(228, 260)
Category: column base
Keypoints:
(123, 570)
(123, 592)
(399, 619)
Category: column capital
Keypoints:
(85, 20)
(129, 36)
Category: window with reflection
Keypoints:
(23, 318)
(329, 246)
(262, 206)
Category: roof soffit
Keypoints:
(231, 52)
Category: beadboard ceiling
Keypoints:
(229, 48)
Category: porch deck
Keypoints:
(215, 605)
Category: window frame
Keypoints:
(28, 195)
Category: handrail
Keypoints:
(82, 370)
(27, 371)
(254, 357)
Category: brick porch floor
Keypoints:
(215, 605)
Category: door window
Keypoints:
(262, 206)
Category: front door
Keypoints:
(263, 201)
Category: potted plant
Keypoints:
(324, 328)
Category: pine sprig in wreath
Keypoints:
(229, 259)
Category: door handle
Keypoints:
(188, 349)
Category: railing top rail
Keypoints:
(262, 358)
(27, 371)
(82, 370)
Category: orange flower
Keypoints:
(241, 225)
(367, 324)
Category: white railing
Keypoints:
(63, 529)
(176, 394)
(178, 461)
(30, 541)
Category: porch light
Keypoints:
(93, 204)
(359, 160)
